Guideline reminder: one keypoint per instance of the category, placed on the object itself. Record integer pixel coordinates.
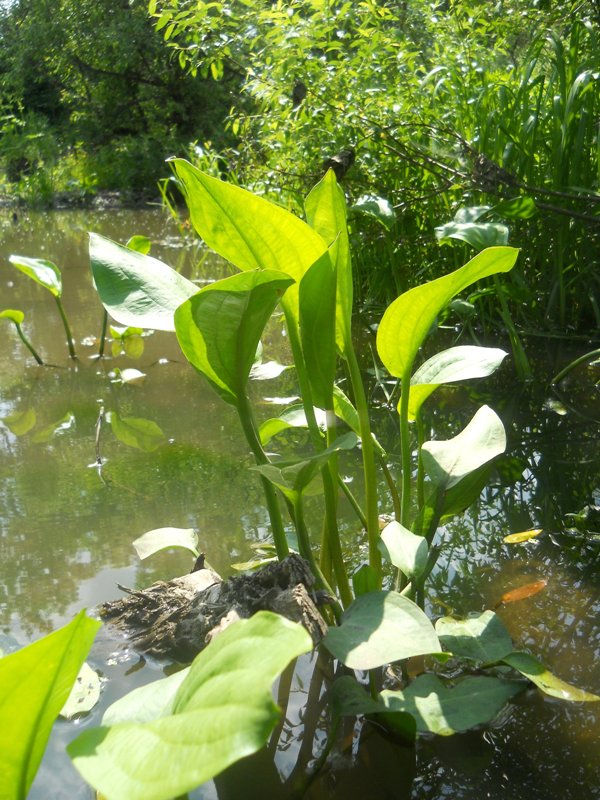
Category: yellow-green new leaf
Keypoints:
(41, 271)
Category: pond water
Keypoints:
(66, 530)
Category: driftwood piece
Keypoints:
(176, 619)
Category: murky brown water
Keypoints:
(66, 531)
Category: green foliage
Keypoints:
(35, 683)
(196, 723)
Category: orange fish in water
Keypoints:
(522, 592)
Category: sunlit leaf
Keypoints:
(130, 376)
(451, 366)
(266, 371)
(84, 694)
(478, 234)
(162, 538)
(480, 637)
(13, 314)
(221, 711)
(443, 710)
(380, 627)
(21, 422)
(220, 327)
(407, 320)
(325, 209)
(35, 682)
(133, 346)
(41, 271)
(377, 207)
(403, 549)
(143, 434)
(141, 244)
(523, 536)
(523, 592)
(536, 672)
(449, 461)
(317, 304)
(135, 289)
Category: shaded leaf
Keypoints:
(162, 538)
(292, 417)
(445, 710)
(48, 431)
(377, 207)
(365, 579)
(515, 208)
(380, 627)
(481, 637)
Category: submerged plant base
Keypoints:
(176, 619)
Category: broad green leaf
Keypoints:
(407, 320)
(345, 410)
(84, 694)
(143, 434)
(462, 494)
(250, 232)
(317, 304)
(380, 627)
(378, 207)
(478, 234)
(325, 209)
(481, 637)
(449, 461)
(292, 417)
(221, 712)
(522, 536)
(537, 673)
(450, 366)
(13, 314)
(21, 422)
(220, 327)
(35, 682)
(41, 271)
(134, 288)
(162, 538)
(515, 208)
(347, 698)
(141, 244)
(403, 549)
(440, 709)
(292, 478)
(146, 703)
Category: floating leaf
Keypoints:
(449, 461)
(41, 271)
(481, 637)
(162, 538)
(403, 549)
(450, 366)
(523, 592)
(380, 627)
(406, 322)
(21, 422)
(445, 710)
(531, 668)
(34, 685)
(221, 711)
(134, 288)
(220, 327)
(49, 431)
(142, 434)
(130, 375)
(523, 536)
(84, 694)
